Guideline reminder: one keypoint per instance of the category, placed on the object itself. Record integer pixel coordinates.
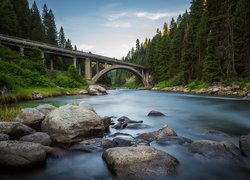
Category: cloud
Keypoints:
(142, 14)
(118, 24)
(85, 47)
(117, 16)
(155, 16)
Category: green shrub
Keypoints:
(163, 84)
(195, 84)
(247, 85)
(6, 81)
(73, 74)
(67, 82)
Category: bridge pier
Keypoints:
(42, 55)
(22, 51)
(51, 64)
(80, 68)
(97, 67)
(74, 61)
(88, 72)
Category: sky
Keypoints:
(111, 27)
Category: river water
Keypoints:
(190, 116)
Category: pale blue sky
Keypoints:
(111, 27)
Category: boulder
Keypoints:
(83, 91)
(151, 136)
(15, 130)
(86, 106)
(213, 149)
(96, 90)
(120, 125)
(155, 113)
(245, 145)
(20, 154)
(72, 123)
(129, 141)
(127, 120)
(93, 145)
(169, 140)
(142, 162)
(38, 137)
(45, 108)
(4, 137)
(106, 121)
(31, 117)
(37, 95)
(137, 126)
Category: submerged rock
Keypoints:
(31, 117)
(137, 126)
(45, 108)
(155, 113)
(71, 123)
(245, 145)
(20, 154)
(15, 130)
(142, 162)
(151, 136)
(127, 120)
(96, 90)
(38, 137)
(93, 145)
(213, 149)
(168, 140)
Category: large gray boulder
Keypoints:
(4, 137)
(38, 137)
(212, 149)
(142, 162)
(151, 136)
(19, 154)
(31, 117)
(45, 108)
(96, 90)
(245, 145)
(72, 123)
(15, 130)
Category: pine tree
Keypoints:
(23, 17)
(51, 31)
(37, 29)
(75, 48)
(68, 45)
(137, 45)
(61, 38)
(8, 23)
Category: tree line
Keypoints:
(210, 42)
(17, 19)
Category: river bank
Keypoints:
(216, 90)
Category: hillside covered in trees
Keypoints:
(210, 43)
(17, 19)
(22, 75)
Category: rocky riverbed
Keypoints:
(46, 131)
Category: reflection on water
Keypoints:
(189, 115)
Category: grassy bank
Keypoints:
(25, 94)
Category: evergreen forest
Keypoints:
(210, 43)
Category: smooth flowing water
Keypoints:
(190, 116)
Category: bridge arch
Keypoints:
(110, 68)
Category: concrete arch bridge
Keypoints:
(79, 59)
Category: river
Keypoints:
(190, 116)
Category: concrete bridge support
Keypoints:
(22, 51)
(74, 61)
(51, 64)
(88, 71)
(97, 67)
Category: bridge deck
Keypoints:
(61, 51)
